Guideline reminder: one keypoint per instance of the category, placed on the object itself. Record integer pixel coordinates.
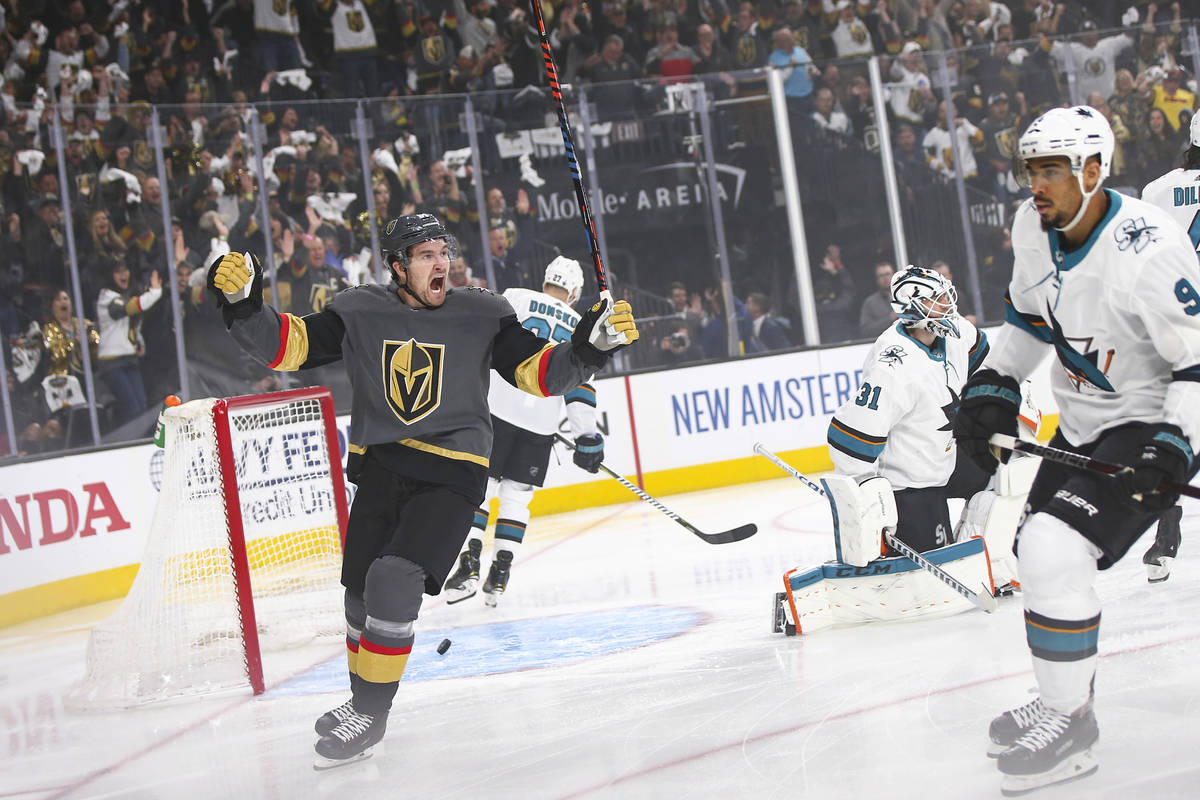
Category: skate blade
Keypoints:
(491, 598)
(1157, 573)
(1077, 766)
(463, 593)
(321, 763)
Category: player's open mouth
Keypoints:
(438, 284)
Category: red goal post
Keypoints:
(243, 554)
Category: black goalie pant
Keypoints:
(923, 514)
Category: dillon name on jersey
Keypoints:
(1178, 193)
(1121, 314)
(550, 319)
(899, 424)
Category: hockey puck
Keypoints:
(443, 647)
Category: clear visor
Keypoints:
(1020, 172)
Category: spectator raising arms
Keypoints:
(118, 312)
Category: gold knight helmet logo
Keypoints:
(412, 373)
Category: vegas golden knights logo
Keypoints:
(1006, 142)
(434, 49)
(354, 21)
(412, 373)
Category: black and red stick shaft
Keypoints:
(569, 145)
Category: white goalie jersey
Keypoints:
(899, 424)
(554, 320)
(1121, 314)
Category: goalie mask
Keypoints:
(402, 233)
(923, 298)
(1077, 134)
(566, 274)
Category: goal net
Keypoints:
(242, 557)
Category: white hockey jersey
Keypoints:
(1178, 193)
(1121, 313)
(900, 423)
(554, 320)
(119, 319)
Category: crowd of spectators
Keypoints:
(102, 71)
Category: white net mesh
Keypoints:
(178, 632)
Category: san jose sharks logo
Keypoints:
(412, 375)
(1135, 234)
(1081, 367)
(950, 410)
(892, 355)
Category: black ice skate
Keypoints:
(352, 739)
(1166, 544)
(497, 579)
(331, 719)
(465, 580)
(1058, 748)
(1012, 725)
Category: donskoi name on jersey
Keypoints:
(554, 312)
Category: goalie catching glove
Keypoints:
(603, 330)
(236, 279)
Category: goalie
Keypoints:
(894, 436)
(896, 465)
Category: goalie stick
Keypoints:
(569, 145)
(724, 537)
(1079, 461)
(982, 600)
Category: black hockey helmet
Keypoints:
(401, 233)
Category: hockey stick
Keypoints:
(1079, 461)
(724, 537)
(982, 599)
(569, 145)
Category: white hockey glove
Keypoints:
(603, 330)
(237, 281)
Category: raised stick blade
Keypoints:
(986, 600)
(725, 537)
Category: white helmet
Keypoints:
(567, 274)
(918, 293)
(1077, 133)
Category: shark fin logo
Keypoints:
(1081, 367)
(412, 374)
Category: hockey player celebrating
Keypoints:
(523, 435)
(1111, 286)
(418, 355)
(894, 435)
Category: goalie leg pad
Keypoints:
(860, 513)
(839, 595)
